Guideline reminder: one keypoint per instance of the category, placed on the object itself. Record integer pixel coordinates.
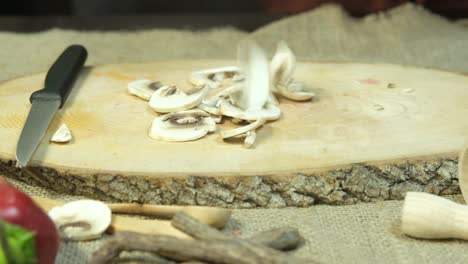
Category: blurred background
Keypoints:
(449, 8)
(244, 14)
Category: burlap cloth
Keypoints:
(363, 233)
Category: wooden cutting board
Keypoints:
(373, 132)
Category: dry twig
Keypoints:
(209, 246)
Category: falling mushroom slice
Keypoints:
(254, 101)
(214, 77)
(182, 126)
(143, 89)
(82, 219)
(256, 88)
(282, 67)
(172, 99)
(62, 135)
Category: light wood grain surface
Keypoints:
(355, 118)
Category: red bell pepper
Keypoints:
(19, 209)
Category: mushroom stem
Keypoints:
(250, 139)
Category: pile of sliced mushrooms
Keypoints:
(246, 94)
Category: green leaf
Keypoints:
(22, 245)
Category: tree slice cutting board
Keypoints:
(373, 132)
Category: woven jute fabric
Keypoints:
(362, 233)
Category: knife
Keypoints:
(46, 102)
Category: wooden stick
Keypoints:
(154, 259)
(284, 238)
(194, 228)
(212, 246)
(216, 251)
(281, 238)
(213, 216)
(145, 226)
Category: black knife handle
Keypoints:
(61, 76)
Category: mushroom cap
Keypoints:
(62, 135)
(95, 213)
(163, 101)
(143, 88)
(182, 126)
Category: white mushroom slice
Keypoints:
(249, 140)
(209, 109)
(242, 130)
(62, 135)
(269, 112)
(182, 126)
(295, 91)
(172, 99)
(214, 77)
(282, 67)
(143, 89)
(213, 100)
(82, 219)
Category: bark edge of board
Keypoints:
(363, 182)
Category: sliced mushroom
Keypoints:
(269, 112)
(172, 99)
(209, 109)
(282, 67)
(242, 130)
(144, 89)
(82, 219)
(214, 77)
(295, 91)
(213, 100)
(182, 126)
(62, 135)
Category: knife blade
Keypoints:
(46, 102)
